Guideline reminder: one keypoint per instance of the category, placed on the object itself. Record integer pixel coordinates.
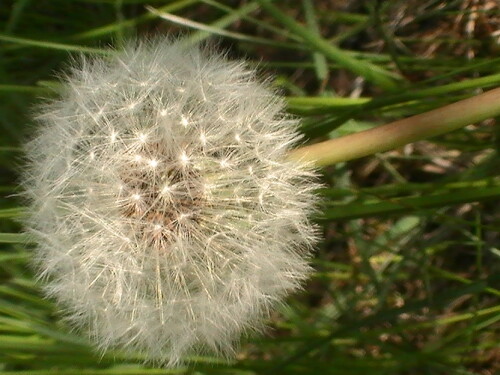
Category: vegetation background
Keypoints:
(407, 278)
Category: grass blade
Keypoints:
(13, 238)
(52, 45)
(410, 204)
(370, 72)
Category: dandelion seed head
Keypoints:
(168, 232)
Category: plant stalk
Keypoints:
(399, 133)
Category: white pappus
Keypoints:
(167, 217)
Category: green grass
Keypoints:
(406, 279)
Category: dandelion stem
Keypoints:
(402, 132)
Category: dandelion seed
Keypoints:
(225, 163)
(166, 189)
(203, 139)
(184, 158)
(184, 121)
(188, 258)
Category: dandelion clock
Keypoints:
(167, 216)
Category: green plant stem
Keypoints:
(402, 132)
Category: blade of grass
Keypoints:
(131, 22)
(218, 31)
(376, 8)
(14, 257)
(261, 24)
(334, 103)
(23, 296)
(15, 14)
(19, 88)
(223, 22)
(391, 190)
(371, 72)
(52, 45)
(9, 213)
(452, 276)
(13, 238)
(319, 59)
(295, 102)
(409, 204)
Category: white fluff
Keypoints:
(167, 217)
